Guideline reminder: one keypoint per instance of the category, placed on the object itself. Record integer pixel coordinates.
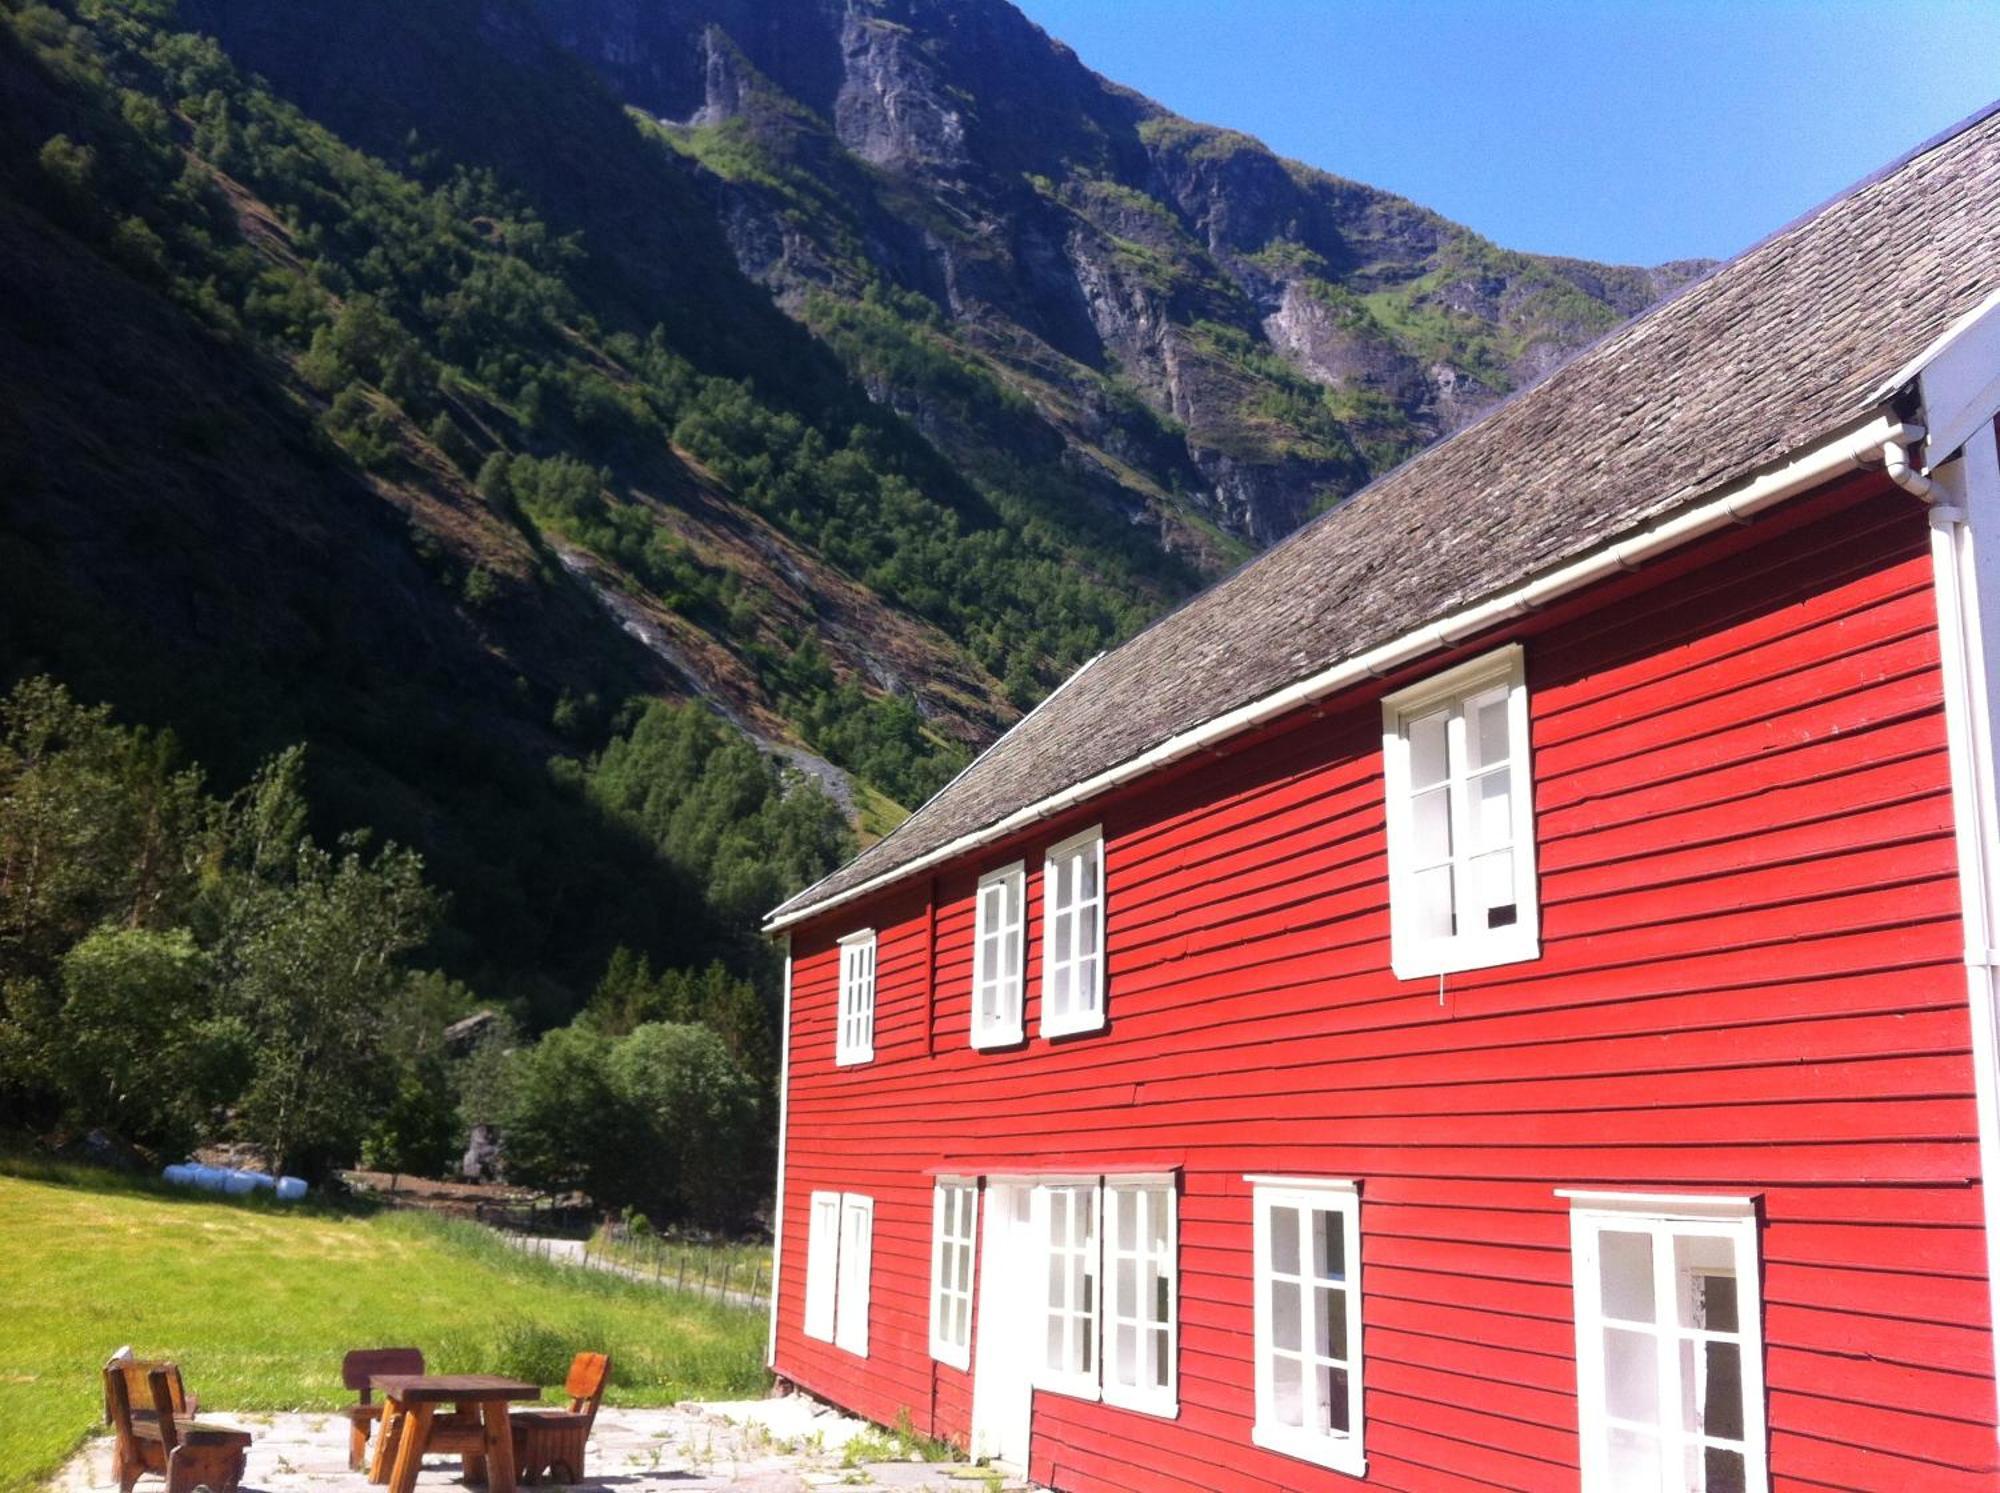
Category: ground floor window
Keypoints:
(1120, 1231)
(1307, 1242)
(954, 1216)
(1669, 1347)
(840, 1240)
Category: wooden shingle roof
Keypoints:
(1769, 354)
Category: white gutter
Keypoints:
(1967, 517)
(1858, 447)
(778, 1203)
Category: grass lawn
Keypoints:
(257, 1303)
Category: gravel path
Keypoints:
(792, 1445)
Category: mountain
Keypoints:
(1217, 335)
(426, 382)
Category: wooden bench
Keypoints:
(161, 1439)
(550, 1443)
(357, 1371)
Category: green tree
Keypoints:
(138, 1046)
(697, 1149)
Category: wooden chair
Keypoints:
(357, 1371)
(162, 1439)
(550, 1443)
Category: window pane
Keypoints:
(1086, 870)
(1086, 935)
(1486, 729)
(1014, 900)
(1162, 1368)
(1635, 1460)
(1058, 996)
(1329, 1246)
(1632, 1375)
(1125, 1287)
(1054, 1350)
(1286, 1387)
(989, 960)
(1285, 1314)
(1626, 1272)
(1492, 810)
(1723, 1471)
(1718, 1302)
(1125, 1354)
(1332, 1389)
(1712, 1375)
(1492, 881)
(1430, 827)
(1285, 1240)
(1431, 910)
(1062, 938)
(1427, 749)
(1330, 1323)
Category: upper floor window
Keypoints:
(1669, 1346)
(1461, 819)
(999, 934)
(1073, 935)
(855, 1040)
(1307, 1239)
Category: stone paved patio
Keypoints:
(790, 1445)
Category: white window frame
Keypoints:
(1150, 1194)
(1665, 1218)
(822, 1264)
(1415, 954)
(1003, 1028)
(1086, 1013)
(1341, 1451)
(857, 1253)
(854, 1036)
(954, 1253)
(1082, 1324)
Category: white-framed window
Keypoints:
(999, 952)
(855, 1040)
(1669, 1343)
(857, 1248)
(954, 1224)
(822, 1257)
(1073, 935)
(1141, 1293)
(1109, 1267)
(1066, 1218)
(1461, 819)
(839, 1244)
(1307, 1240)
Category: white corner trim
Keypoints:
(778, 1203)
(1960, 375)
(1965, 569)
(1838, 454)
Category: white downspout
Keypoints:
(1965, 502)
(778, 1200)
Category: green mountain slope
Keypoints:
(429, 382)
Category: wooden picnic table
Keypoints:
(478, 1428)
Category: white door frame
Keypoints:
(1002, 1365)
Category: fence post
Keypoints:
(681, 1280)
(725, 1276)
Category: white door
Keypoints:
(1002, 1395)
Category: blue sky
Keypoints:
(1626, 130)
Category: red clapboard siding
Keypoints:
(1749, 982)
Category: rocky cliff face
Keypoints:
(1223, 341)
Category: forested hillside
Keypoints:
(626, 455)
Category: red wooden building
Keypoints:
(1498, 993)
